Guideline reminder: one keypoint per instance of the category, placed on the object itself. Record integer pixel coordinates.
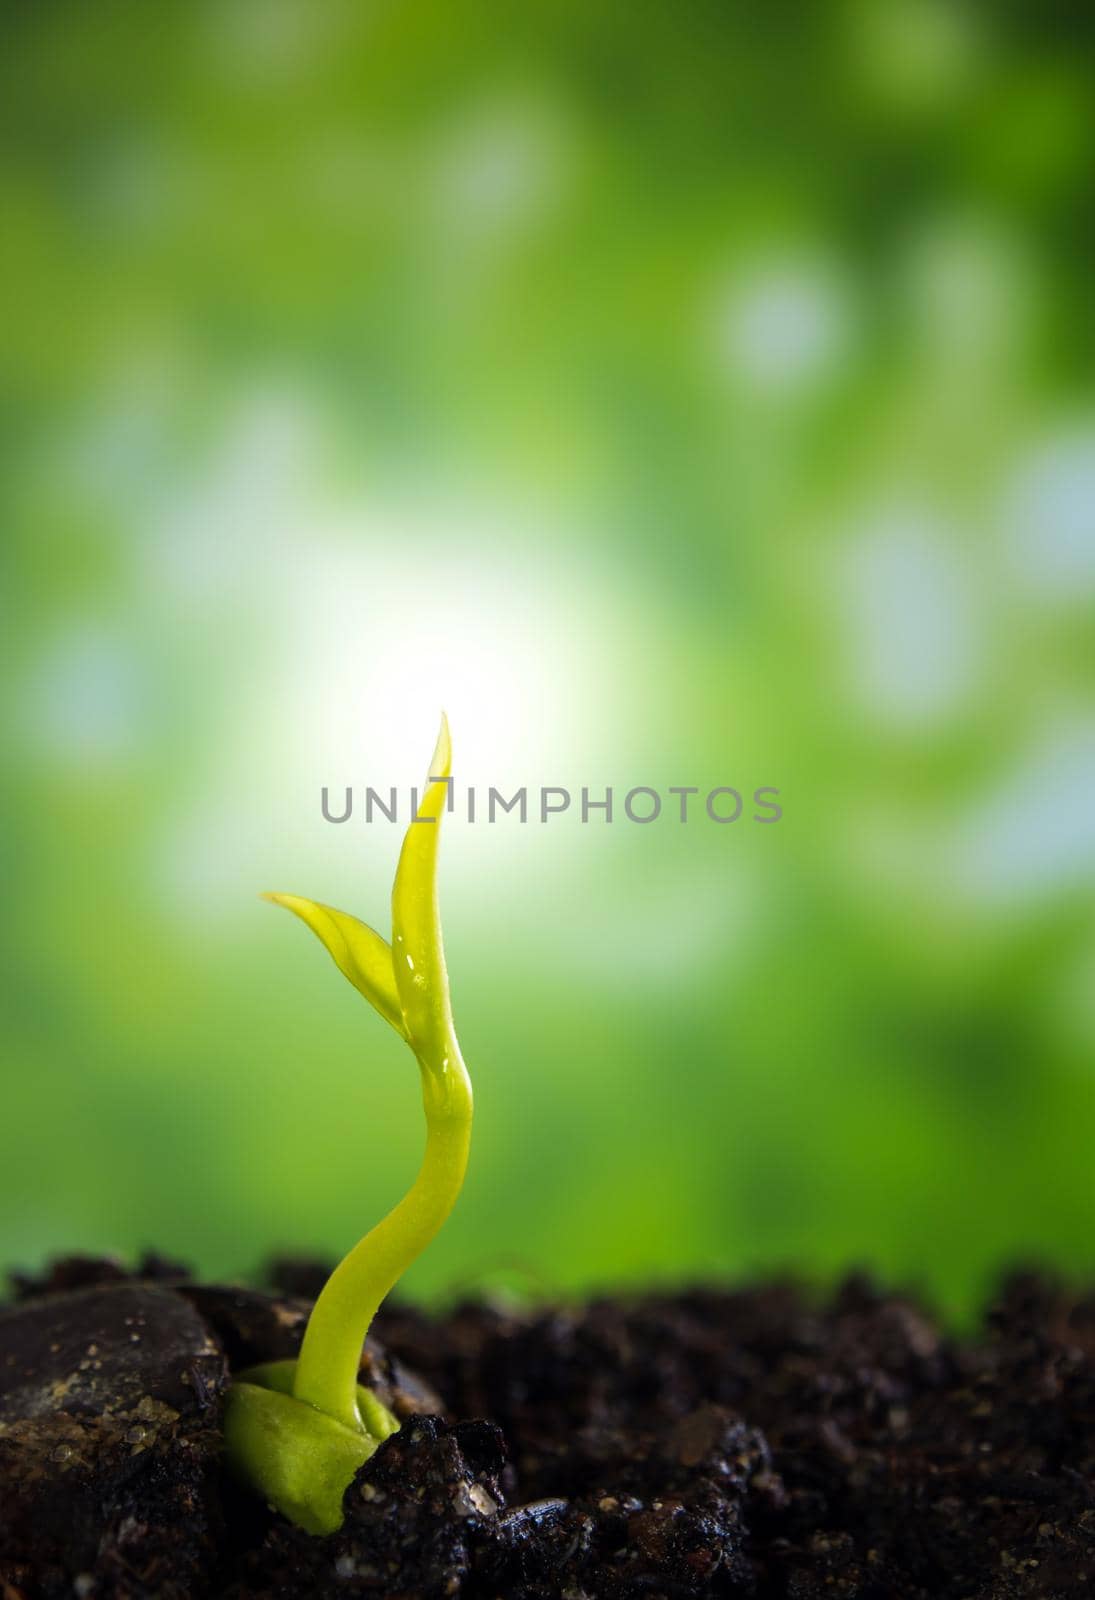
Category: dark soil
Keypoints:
(748, 1443)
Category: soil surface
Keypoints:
(747, 1443)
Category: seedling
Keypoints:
(297, 1431)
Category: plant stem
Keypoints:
(330, 1356)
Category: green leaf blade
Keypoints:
(417, 952)
(359, 952)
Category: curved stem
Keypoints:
(330, 1356)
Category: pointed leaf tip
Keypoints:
(441, 764)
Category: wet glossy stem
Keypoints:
(327, 1370)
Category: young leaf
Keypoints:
(357, 950)
(418, 956)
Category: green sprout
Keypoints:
(297, 1431)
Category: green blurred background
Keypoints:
(688, 393)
